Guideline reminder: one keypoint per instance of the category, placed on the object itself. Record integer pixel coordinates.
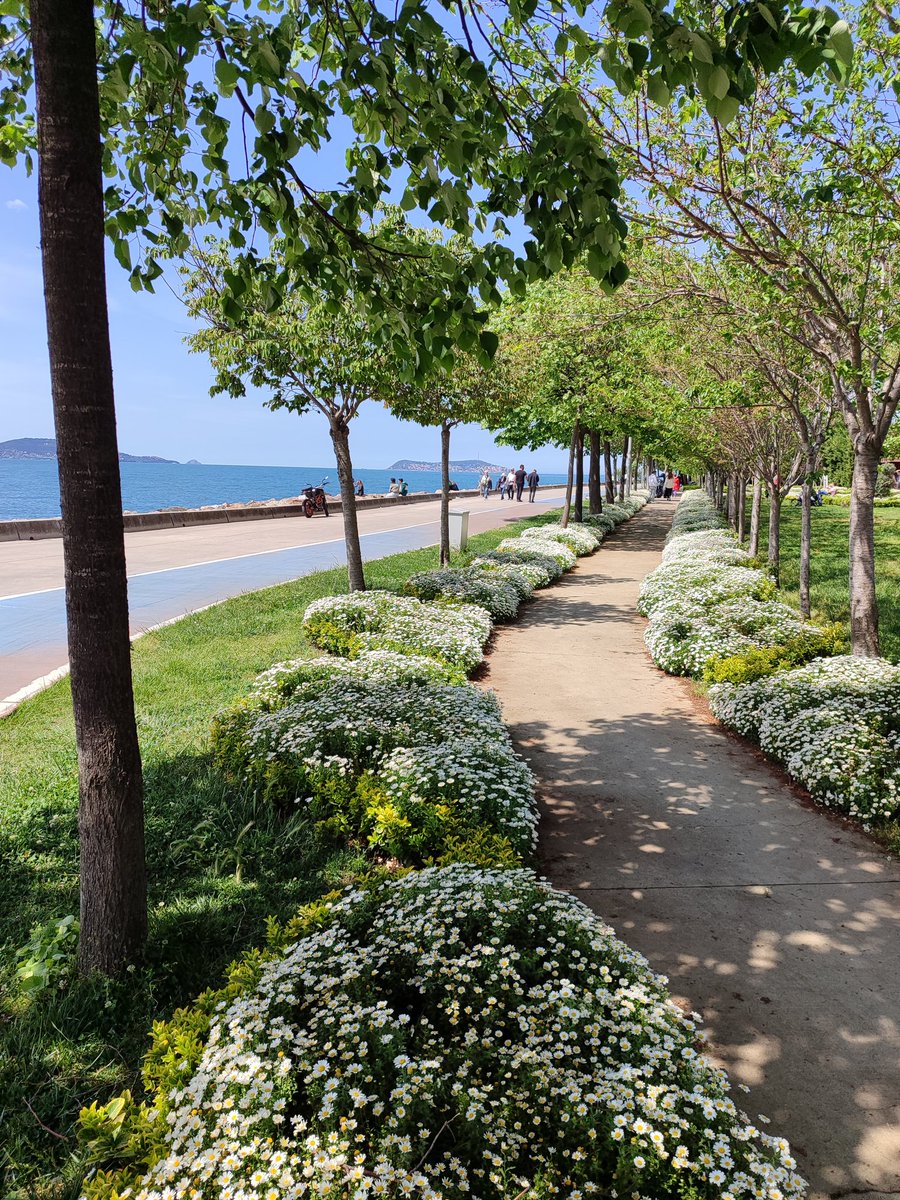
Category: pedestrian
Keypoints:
(360, 490)
(651, 485)
(485, 485)
(394, 489)
(676, 486)
(501, 484)
(668, 485)
(404, 487)
(533, 480)
(520, 481)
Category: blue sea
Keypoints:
(29, 488)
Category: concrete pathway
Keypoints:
(777, 923)
(172, 572)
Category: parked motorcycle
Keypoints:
(314, 499)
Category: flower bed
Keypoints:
(347, 625)
(833, 723)
(491, 591)
(542, 548)
(456, 1033)
(580, 540)
(527, 558)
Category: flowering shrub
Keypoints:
(695, 512)
(524, 577)
(834, 725)
(682, 641)
(710, 545)
(687, 586)
(521, 555)
(582, 541)
(543, 547)
(493, 593)
(402, 766)
(376, 620)
(757, 661)
(275, 686)
(455, 1033)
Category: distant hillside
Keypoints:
(466, 464)
(46, 448)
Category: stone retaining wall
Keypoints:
(51, 527)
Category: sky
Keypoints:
(162, 391)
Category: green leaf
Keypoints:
(719, 83)
(489, 342)
(725, 110)
(227, 75)
(658, 90)
(263, 119)
(841, 41)
(122, 251)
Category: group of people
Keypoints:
(399, 487)
(511, 483)
(665, 484)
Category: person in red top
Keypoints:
(676, 486)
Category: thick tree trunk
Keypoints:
(775, 531)
(623, 472)
(445, 495)
(805, 544)
(863, 603)
(595, 496)
(755, 514)
(70, 182)
(609, 481)
(742, 509)
(340, 439)
(579, 475)
(568, 504)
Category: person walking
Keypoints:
(676, 486)
(651, 485)
(520, 481)
(501, 484)
(485, 485)
(668, 485)
(533, 480)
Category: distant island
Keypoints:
(465, 464)
(46, 448)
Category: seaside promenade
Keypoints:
(172, 572)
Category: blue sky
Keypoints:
(162, 391)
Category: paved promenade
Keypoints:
(176, 571)
(779, 924)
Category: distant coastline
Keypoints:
(466, 464)
(38, 449)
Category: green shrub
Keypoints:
(760, 661)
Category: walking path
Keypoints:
(780, 925)
(172, 572)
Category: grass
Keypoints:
(219, 863)
(830, 584)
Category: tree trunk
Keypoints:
(624, 469)
(445, 494)
(755, 513)
(775, 530)
(70, 183)
(609, 481)
(568, 504)
(340, 439)
(595, 498)
(742, 509)
(863, 603)
(579, 475)
(805, 543)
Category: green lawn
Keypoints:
(830, 586)
(218, 863)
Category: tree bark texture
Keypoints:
(445, 494)
(610, 481)
(863, 604)
(340, 439)
(579, 475)
(742, 509)
(755, 513)
(595, 495)
(775, 531)
(70, 191)
(623, 468)
(568, 504)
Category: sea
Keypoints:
(29, 488)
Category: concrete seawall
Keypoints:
(51, 527)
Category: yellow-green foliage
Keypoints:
(127, 1135)
(481, 846)
(766, 660)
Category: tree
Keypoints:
(467, 392)
(110, 815)
(801, 187)
(309, 356)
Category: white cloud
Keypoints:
(18, 205)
